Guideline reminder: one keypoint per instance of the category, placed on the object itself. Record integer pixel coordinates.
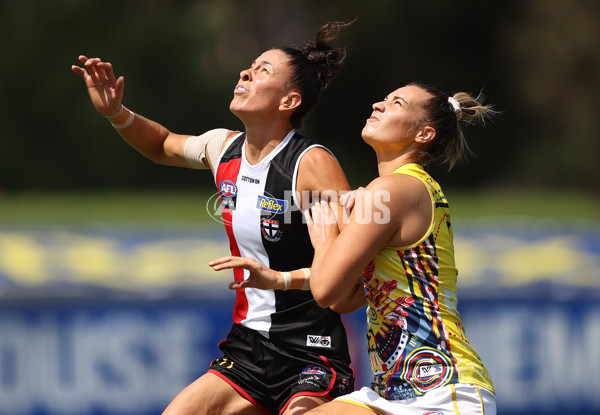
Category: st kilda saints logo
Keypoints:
(270, 229)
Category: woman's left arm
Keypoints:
(340, 258)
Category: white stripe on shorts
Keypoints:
(457, 399)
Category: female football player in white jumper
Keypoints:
(284, 353)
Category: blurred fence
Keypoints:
(115, 320)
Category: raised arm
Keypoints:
(146, 136)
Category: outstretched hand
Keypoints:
(106, 92)
(260, 276)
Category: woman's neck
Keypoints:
(387, 163)
(261, 141)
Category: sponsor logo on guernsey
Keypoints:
(270, 230)
(250, 180)
(228, 188)
(430, 370)
(318, 341)
(269, 204)
(433, 413)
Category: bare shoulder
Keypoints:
(320, 171)
(317, 158)
(400, 190)
(407, 202)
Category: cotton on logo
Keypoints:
(318, 341)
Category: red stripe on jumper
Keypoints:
(230, 171)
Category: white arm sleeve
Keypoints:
(200, 149)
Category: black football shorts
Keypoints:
(269, 375)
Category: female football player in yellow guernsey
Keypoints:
(399, 238)
(397, 241)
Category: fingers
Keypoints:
(237, 285)
(99, 71)
(120, 86)
(230, 261)
(322, 213)
(218, 261)
(346, 199)
(349, 199)
(78, 70)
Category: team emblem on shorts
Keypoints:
(313, 370)
(270, 230)
(312, 375)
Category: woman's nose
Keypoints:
(378, 106)
(245, 75)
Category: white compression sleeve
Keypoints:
(198, 150)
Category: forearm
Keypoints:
(319, 284)
(298, 279)
(147, 137)
(355, 300)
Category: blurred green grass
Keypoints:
(191, 206)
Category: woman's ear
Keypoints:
(290, 101)
(425, 135)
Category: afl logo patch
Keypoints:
(228, 188)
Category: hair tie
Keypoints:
(456, 108)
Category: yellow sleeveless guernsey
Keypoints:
(416, 339)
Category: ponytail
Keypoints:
(446, 114)
(313, 66)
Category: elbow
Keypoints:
(324, 298)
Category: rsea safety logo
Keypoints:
(272, 205)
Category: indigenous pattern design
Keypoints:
(415, 337)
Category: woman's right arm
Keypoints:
(151, 139)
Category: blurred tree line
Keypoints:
(538, 61)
